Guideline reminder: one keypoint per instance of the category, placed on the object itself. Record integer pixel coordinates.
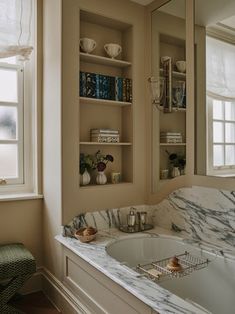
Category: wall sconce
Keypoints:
(161, 88)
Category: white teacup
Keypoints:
(87, 44)
(113, 50)
(181, 66)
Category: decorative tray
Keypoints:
(127, 229)
(158, 271)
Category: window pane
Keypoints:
(230, 155)
(218, 132)
(218, 155)
(218, 110)
(230, 111)
(8, 160)
(8, 84)
(230, 132)
(8, 118)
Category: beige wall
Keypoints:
(52, 210)
(21, 221)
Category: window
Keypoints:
(16, 126)
(11, 122)
(221, 137)
(220, 85)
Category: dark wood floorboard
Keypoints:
(35, 303)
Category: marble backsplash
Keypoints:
(199, 213)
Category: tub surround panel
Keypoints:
(201, 214)
(159, 299)
(110, 218)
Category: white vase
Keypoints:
(101, 178)
(85, 178)
(175, 172)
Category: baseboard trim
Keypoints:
(59, 295)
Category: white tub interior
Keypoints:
(212, 287)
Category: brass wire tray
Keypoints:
(157, 271)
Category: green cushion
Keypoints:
(15, 260)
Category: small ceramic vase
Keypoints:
(101, 178)
(85, 178)
(175, 172)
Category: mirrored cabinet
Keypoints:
(169, 109)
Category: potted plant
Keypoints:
(100, 163)
(177, 163)
(86, 163)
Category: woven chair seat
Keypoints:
(15, 260)
(16, 266)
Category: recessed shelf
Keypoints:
(105, 144)
(172, 144)
(108, 185)
(85, 57)
(95, 101)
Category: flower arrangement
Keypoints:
(176, 160)
(100, 161)
(86, 163)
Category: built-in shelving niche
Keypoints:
(98, 113)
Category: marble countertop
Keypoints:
(152, 294)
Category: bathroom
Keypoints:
(188, 204)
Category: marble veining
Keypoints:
(201, 216)
(206, 215)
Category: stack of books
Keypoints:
(101, 86)
(171, 137)
(104, 136)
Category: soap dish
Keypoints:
(85, 238)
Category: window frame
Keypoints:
(226, 170)
(19, 105)
(28, 131)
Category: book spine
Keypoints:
(130, 90)
(124, 89)
(101, 87)
(91, 85)
(118, 88)
(112, 88)
(127, 89)
(97, 89)
(82, 84)
(106, 87)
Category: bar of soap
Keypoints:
(154, 272)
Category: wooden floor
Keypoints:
(35, 303)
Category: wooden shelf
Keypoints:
(172, 144)
(105, 144)
(95, 101)
(85, 57)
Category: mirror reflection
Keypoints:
(168, 86)
(215, 85)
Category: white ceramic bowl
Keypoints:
(113, 50)
(181, 66)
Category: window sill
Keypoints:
(20, 197)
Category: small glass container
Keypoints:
(131, 219)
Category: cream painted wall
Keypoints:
(52, 180)
(21, 221)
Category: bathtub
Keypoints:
(212, 288)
